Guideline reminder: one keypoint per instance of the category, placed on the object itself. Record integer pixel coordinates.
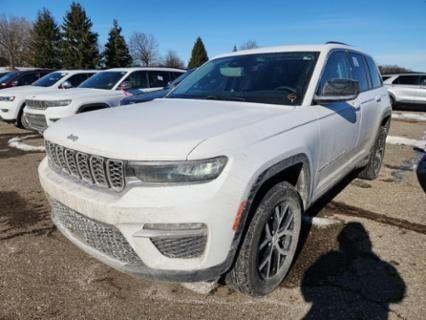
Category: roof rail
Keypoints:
(337, 42)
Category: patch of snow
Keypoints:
(17, 143)
(408, 116)
(320, 222)
(4, 150)
(200, 287)
(420, 144)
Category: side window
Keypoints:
(137, 80)
(76, 79)
(337, 67)
(28, 78)
(174, 75)
(158, 78)
(374, 73)
(423, 81)
(359, 70)
(407, 80)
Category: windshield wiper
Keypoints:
(227, 98)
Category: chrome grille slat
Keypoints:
(36, 104)
(83, 166)
(90, 169)
(36, 121)
(97, 166)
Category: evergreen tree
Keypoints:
(79, 43)
(116, 52)
(45, 42)
(235, 48)
(198, 55)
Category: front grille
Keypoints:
(36, 121)
(36, 104)
(181, 247)
(101, 236)
(90, 169)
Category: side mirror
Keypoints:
(124, 85)
(338, 90)
(66, 85)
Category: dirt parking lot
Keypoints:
(363, 251)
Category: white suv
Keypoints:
(407, 89)
(214, 179)
(12, 100)
(104, 90)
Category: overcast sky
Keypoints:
(394, 32)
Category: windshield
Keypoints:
(103, 80)
(49, 79)
(8, 76)
(274, 78)
(3, 74)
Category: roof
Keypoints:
(144, 68)
(289, 48)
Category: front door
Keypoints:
(339, 125)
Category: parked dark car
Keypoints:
(22, 78)
(138, 96)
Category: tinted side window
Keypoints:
(374, 73)
(174, 75)
(158, 78)
(423, 81)
(408, 80)
(337, 67)
(137, 80)
(28, 78)
(76, 79)
(359, 70)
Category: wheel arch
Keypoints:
(92, 107)
(296, 170)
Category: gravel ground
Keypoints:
(370, 262)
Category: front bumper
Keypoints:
(128, 212)
(8, 111)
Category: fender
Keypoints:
(305, 191)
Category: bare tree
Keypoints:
(144, 49)
(390, 69)
(251, 44)
(15, 39)
(172, 60)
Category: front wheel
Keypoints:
(270, 243)
(21, 122)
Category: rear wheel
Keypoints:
(270, 244)
(372, 169)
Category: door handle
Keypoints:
(378, 99)
(357, 107)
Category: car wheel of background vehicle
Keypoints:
(372, 169)
(21, 122)
(270, 243)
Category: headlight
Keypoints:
(7, 98)
(177, 172)
(58, 103)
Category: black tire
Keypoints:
(252, 274)
(20, 120)
(372, 169)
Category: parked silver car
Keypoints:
(407, 88)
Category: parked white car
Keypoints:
(407, 89)
(214, 178)
(104, 90)
(12, 100)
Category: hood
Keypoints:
(26, 90)
(76, 93)
(162, 129)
